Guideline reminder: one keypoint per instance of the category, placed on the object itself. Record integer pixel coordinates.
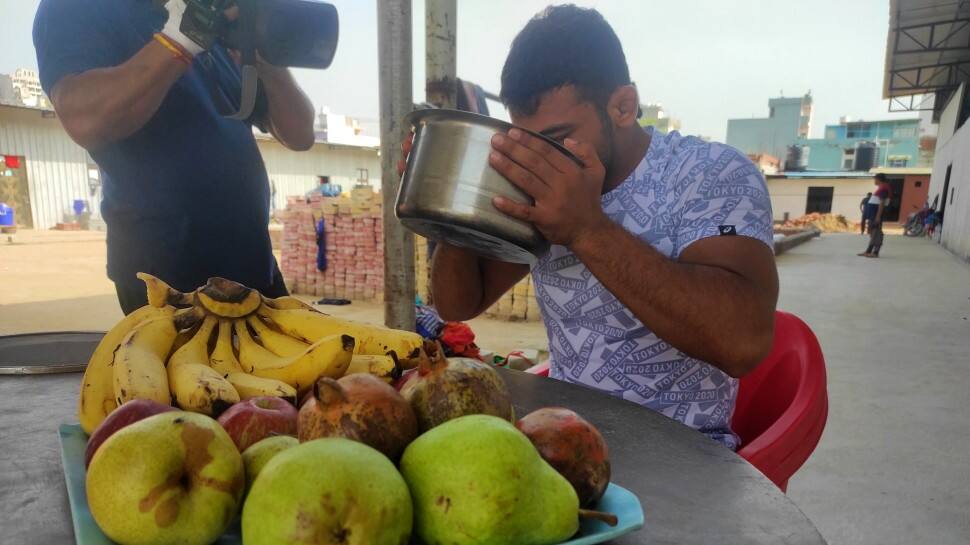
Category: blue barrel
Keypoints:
(79, 206)
(6, 216)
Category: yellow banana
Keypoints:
(228, 299)
(274, 341)
(139, 362)
(328, 357)
(196, 350)
(199, 388)
(252, 355)
(383, 367)
(250, 386)
(370, 339)
(97, 399)
(161, 294)
(223, 359)
(287, 302)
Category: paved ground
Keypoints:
(52, 280)
(894, 464)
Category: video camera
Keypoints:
(295, 33)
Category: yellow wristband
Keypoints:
(176, 51)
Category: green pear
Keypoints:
(174, 477)
(328, 491)
(259, 453)
(478, 480)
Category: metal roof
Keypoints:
(927, 52)
(822, 174)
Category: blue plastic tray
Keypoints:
(617, 500)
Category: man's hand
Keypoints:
(172, 30)
(567, 195)
(406, 146)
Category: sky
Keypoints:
(706, 61)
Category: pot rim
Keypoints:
(426, 115)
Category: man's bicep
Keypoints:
(747, 257)
(498, 277)
(70, 38)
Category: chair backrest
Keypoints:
(782, 405)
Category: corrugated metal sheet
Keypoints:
(295, 173)
(57, 168)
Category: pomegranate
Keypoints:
(360, 407)
(573, 446)
(446, 388)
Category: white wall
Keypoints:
(57, 168)
(791, 195)
(953, 150)
(295, 173)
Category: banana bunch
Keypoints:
(224, 343)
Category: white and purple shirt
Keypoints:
(684, 190)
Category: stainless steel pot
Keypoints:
(447, 189)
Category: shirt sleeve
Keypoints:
(722, 193)
(71, 37)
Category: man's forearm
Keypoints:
(706, 312)
(290, 110)
(105, 105)
(465, 285)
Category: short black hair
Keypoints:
(563, 45)
(881, 177)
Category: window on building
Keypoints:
(905, 131)
(771, 111)
(819, 200)
(830, 134)
(848, 158)
(859, 130)
(898, 161)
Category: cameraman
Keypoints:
(186, 195)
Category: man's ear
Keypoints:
(623, 106)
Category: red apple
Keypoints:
(257, 418)
(405, 377)
(129, 413)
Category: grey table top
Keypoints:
(693, 490)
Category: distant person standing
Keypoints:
(866, 212)
(880, 199)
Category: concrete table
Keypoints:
(693, 490)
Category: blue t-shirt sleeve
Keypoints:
(70, 37)
(722, 194)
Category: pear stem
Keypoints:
(608, 518)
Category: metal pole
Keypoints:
(441, 84)
(394, 68)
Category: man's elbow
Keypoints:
(746, 356)
(302, 143)
(85, 131)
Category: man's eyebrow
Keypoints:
(557, 129)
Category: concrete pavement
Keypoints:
(893, 466)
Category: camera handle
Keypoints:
(245, 39)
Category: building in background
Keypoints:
(26, 89)
(788, 120)
(767, 164)
(43, 171)
(864, 145)
(654, 115)
(794, 194)
(928, 69)
(7, 94)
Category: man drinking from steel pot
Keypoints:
(660, 286)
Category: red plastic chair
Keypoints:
(782, 405)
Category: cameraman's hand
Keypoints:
(172, 31)
(405, 150)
